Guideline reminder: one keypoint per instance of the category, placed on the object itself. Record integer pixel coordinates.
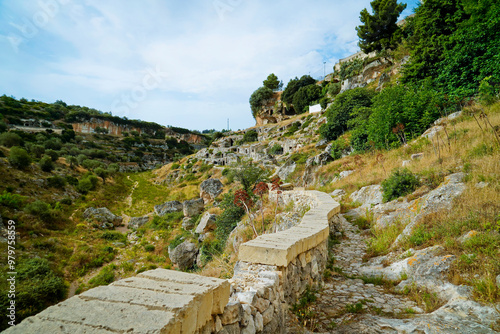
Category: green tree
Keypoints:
(258, 98)
(272, 82)
(304, 96)
(9, 139)
(19, 158)
(248, 174)
(340, 112)
(46, 164)
(434, 23)
(294, 85)
(102, 173)
(378, 31)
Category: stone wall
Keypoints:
(272, 272)
(274, 269)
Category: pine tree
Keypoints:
(378, 30)
(272, 82)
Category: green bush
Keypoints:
(250, 136)
(275, 150)
(338, 147)
(400, 183)
(149, 248)
(46, 164)
(105, 277)
(87, 183)
(305, 96)
(52, 154)
(114, 236)
(292, 129)
(40, 209)
(167, 221)
(19, 158)
(9, 139)
(56, 181)
(350, 68)
(10, 200)
(37, 287)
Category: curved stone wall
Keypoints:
(272, 271)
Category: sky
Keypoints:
(191, 64)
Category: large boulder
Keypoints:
(184, 255)
(136, 222)
(210, 189)
(368, 196)
(168, 207)
(287, 169)
(207, 223)
(103, 217)
(193, 207)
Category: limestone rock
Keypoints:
(103, 216)
(210, 189)
(187, 224)
(322, 144)
(193, 207)
(287, 169)
(184, 255)
(498, 281)
(406, 163)
(438, 199)
(467, 236)
(207, 223)
(232, 313)
(368, 196)
(342, 175)
(417, 156)
(168, 207)
(136, 222)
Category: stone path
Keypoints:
(344, 295)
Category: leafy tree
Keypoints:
(9, 139)
(378, 30)
(102, 173)
(339, 113)
(413, 106)
(304, 96)
(473, 51)
(250, 136)
(46, 164)
(272, 82)
(258, 98)
(294, 85)
(19, 158)
(434, 23)
(248, 174)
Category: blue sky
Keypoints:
(192, 64)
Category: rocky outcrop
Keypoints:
(210, 189)
(184, 255)
(207, 223)
(287, 169)
(193, 207)
(168, 207)
(136, 222)
(103, 217)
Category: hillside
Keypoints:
(413, 159)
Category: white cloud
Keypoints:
(99, 51)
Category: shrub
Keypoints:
(10, 139)
(10, 200)
(52, 154)
(40, 209)
(38, 287)
(401, 182)
(292, 129)
(250, 136)
(19, 158)
(56, 181)
(149, 248)
(275, 150)
(87, 183)
(338, 148)
(113, 236)
(46, 164)
(105, 277)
